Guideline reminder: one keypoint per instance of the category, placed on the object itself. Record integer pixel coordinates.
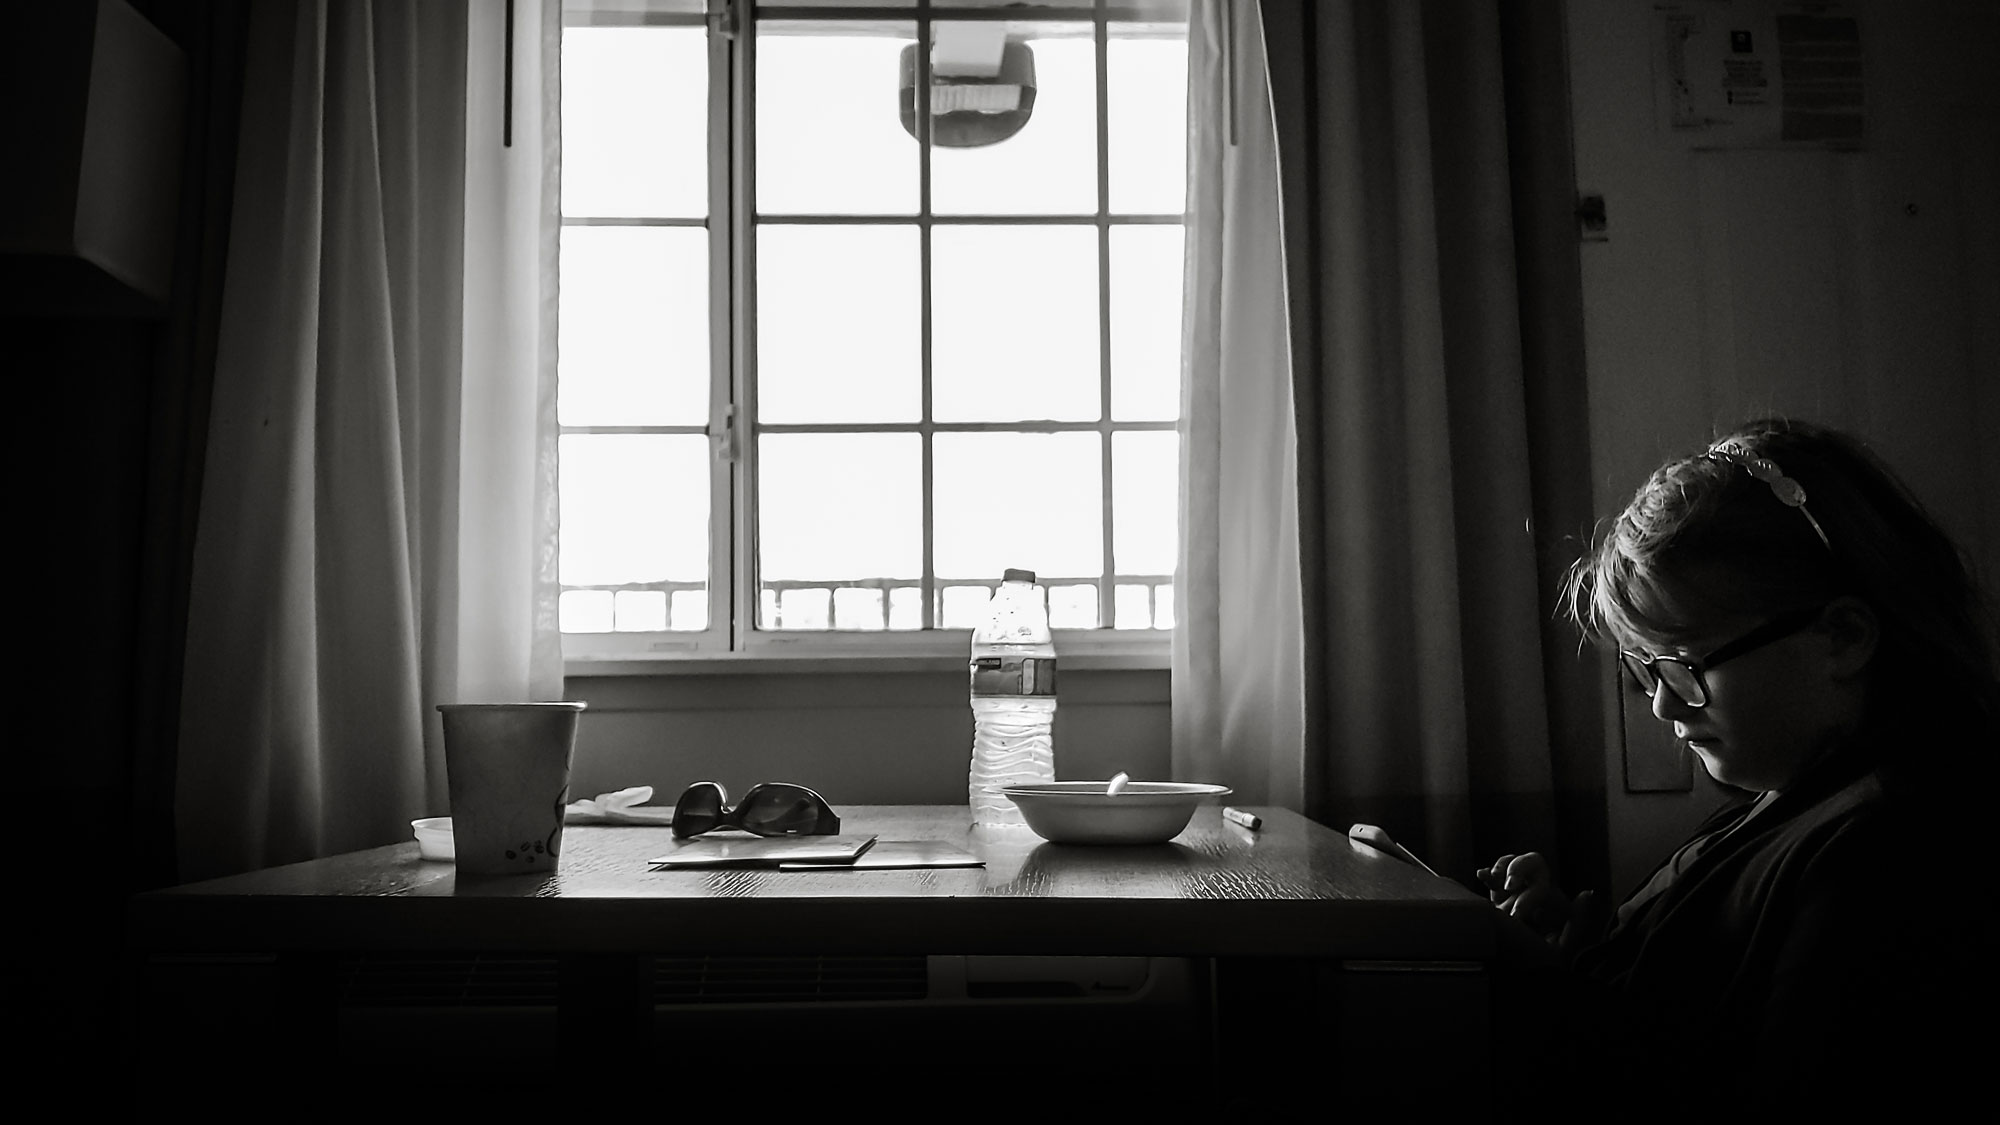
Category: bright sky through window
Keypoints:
(922, 399)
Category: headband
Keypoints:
(1788, 491)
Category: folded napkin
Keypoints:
(627, 806)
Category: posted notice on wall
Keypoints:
(1759, 73)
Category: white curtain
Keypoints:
(376, 531)
(1238, 659)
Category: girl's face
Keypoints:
(1772, 711)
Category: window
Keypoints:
(834, 355)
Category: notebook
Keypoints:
(890, 855)
(764, 851)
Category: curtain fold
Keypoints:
(1425, 708)
(352, 482)
(505, 501)
(1238, 650)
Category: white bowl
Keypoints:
(1080, 812)
(434, 838)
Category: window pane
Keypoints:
(1169, 10)
(1073, 606)
(830, 140)
(1050, 166)
(633, 327)
(963, 607)
(838, 324)
(1145, 504)
(839, 507)
(1134, 607)
(859, 607)
(1146, 266)
(801, 609)
(690, 610)
(1018, 500)
(1146, 104)
(906, 608)
(635, 122)
(1003, 3)
(1014, 324)
(585, 611)
(634, 508)
(640, 611)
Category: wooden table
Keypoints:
(1291, 945)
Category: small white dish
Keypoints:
(1081, 812)
(434, 838)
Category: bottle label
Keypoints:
(1014, 675)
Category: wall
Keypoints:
(874, 737)
(1856, 288)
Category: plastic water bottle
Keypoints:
(1013, 699)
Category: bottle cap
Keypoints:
(1013, 575)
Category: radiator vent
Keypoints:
(475, 981)
(788, 980)
(490, 981)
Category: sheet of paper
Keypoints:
(1760, 73)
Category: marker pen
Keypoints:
(1237, 816)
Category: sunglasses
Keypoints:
(774, 808)
(1683, 675)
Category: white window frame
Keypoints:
(732, 640)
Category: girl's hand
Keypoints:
(1524, 887)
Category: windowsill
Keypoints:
(781, 654)
(783, 664)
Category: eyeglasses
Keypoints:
(771, 809)
(1683, 675)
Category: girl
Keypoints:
(1818, 643)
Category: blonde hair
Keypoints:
(1707, 535)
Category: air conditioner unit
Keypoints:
(91, 127)
(914, 1005)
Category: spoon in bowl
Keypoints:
(1116, 783)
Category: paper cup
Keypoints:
(508, 768)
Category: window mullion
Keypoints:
(922, 115)
(1107, 587)
(734, 179)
